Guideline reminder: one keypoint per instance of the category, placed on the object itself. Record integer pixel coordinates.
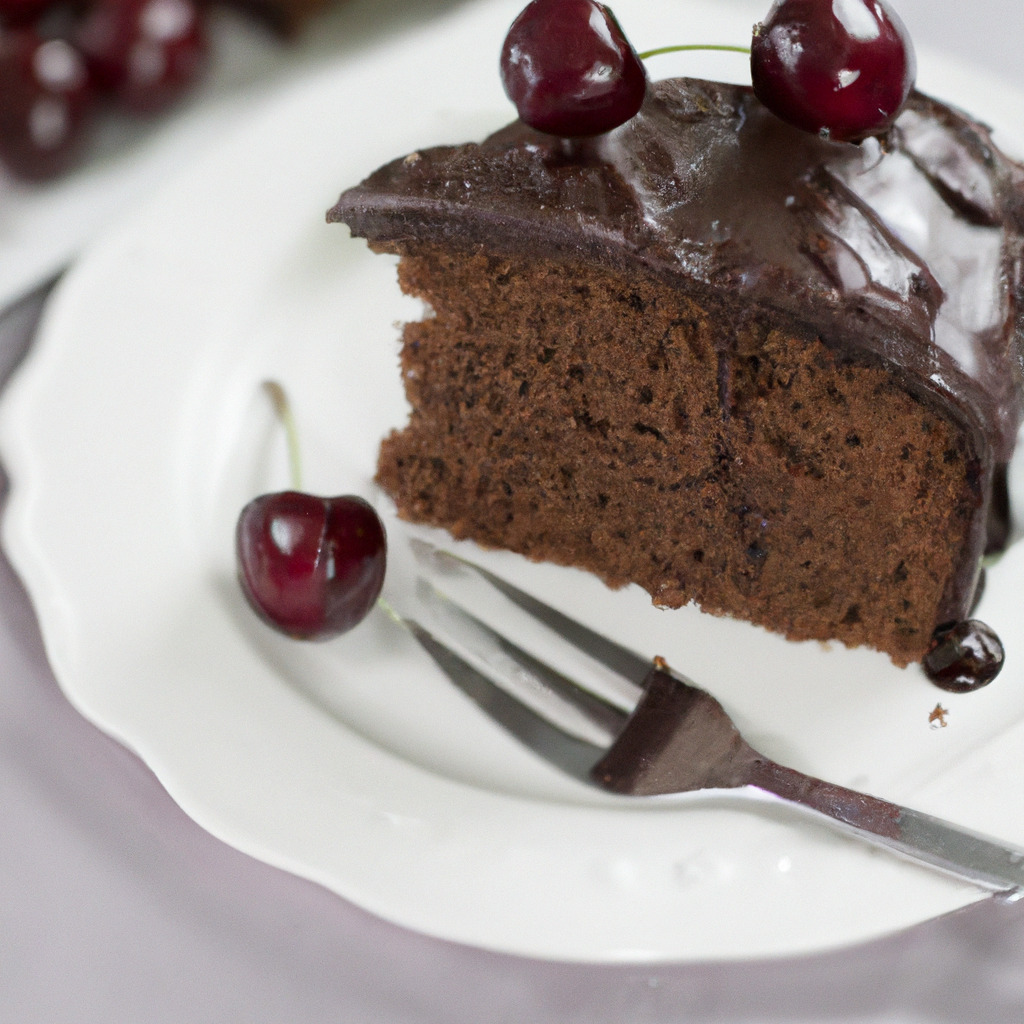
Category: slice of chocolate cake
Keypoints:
(707, 353)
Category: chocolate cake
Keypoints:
(732, 362)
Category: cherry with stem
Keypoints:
(843, 70)
(310, 567)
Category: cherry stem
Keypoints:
(284, 413)
(389, 610)
(694, 46)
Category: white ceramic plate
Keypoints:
(138, 429)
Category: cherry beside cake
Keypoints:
(736, 363)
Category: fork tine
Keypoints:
(612, 655)
(571, 754)
(533, 681)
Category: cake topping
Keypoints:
(569, 69)
(964, 657)
(843, 68)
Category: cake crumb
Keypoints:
(937, 717)
(412, 158)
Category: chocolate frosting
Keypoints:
(908, 250)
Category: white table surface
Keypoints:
(115, 907)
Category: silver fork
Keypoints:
(661, 734)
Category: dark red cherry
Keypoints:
(569, 69)
(144, 52)
(22, 12)
(310, 567)
(963, 657)
(841, 67)
(46, 102)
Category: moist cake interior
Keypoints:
(651, 434)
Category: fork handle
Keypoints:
(985, 862)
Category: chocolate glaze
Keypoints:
(964, 656)
(909, 252)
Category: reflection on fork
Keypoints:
(659, 734)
